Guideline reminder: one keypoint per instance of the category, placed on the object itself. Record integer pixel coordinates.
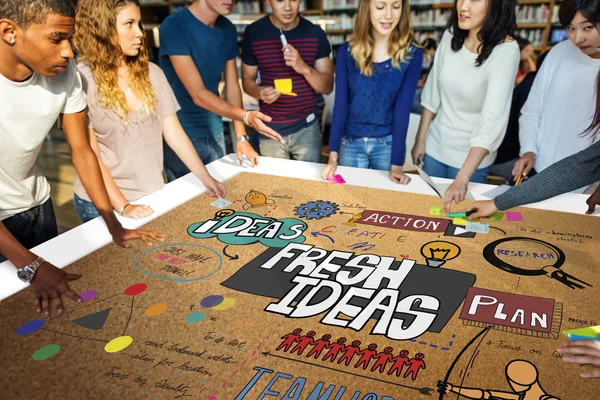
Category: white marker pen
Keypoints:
(283, 38)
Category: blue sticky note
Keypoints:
(576, 337)
(221, 203)
(587, 333)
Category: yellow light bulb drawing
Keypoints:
(438, 252)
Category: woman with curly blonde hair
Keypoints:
(375, 83)
(131, 108)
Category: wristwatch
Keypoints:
(244, 138)
(27, 273)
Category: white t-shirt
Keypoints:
(28, 110)
(560, 106)
(472, 104)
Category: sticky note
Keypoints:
(284, 86)
(336, 179)
(477, 227)
(575, 337)
(587, 333)
(220, 203)
(460, 221)
(514, 216)
(497, 216)
(437, 211)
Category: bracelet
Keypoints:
(123, 209)
(245, 119)
(244, 138)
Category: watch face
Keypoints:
(25, 274)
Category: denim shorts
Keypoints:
(85, 209)
(34, 226)
(368, 153)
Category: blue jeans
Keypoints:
(417, 108)
(433, 167)
(373, 153)
(208, 148)
(85, 209)
(304, 145)
(33, 227)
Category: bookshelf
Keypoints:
(537, 19)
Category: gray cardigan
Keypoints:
(571, 173)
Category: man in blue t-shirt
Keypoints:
(197, 46)
(301, 56)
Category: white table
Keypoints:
(89, 237)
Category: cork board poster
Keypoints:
(309, 290)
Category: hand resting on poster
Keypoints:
(583, 352)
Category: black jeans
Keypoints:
(34, 226)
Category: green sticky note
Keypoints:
(591, 332)
(438, 211)
(497, 216)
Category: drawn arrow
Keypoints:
(315, 234)
(227, 255)
(425, 391)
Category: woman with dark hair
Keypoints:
(550, 128)
(466, 100)
(527, 63)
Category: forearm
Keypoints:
(87, 167)
(320, 82)
(251, 87)
(474, 158)
(568, 174)
(469, 393)
(181, 144)
(117, 199)
(426, 119)
(13, 250)
(206, 99)
(234, 97)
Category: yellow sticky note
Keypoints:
(460, 221)
(284, 86)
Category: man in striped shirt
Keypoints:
(284, 45)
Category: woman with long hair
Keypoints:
(466, 100)
(376, 78)
(549, 127)
(570, 173)
(131, 108)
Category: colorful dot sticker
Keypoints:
(136, 289)
(88, 295)
(46, 352)
(118, 344)
(155, 310)
(211, 301)
(194, 318)
(227, 303)
(30, 327)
